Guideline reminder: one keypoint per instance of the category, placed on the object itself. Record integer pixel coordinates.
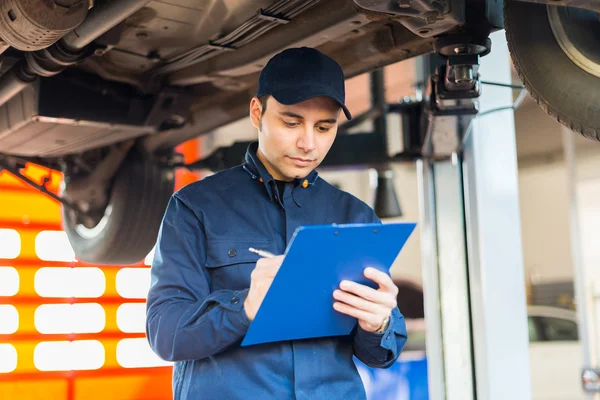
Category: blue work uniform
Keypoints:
(201, 276)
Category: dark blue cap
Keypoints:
(298, 74)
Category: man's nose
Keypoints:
(306, 142)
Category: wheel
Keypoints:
(127, 232)
(556, 52)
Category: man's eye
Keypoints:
(323, 129)
(290, 124)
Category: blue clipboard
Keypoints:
(299, 303)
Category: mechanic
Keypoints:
(206, 286)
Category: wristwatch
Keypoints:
(384, 325)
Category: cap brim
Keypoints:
(294, 95)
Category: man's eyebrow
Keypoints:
(294, 115)
(328, 121)
(291, 114)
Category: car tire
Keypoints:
(553, 76)
(127, 233)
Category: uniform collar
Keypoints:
(257, 171)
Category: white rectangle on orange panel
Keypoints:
(9, 281)
(54, 246)
(8, 358)
(133, 283)
(10, 243)
(70, 318)
(9, 319)
(131, 317)
(66, 356)
(136, 353)
(81, 282)
(88, 282)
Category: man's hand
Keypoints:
(260, 281)
(370, 306)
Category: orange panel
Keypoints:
(33, 389)
(111, 281)
(110, 349)
(28, 245)
(9, 180)
(111, 317)
(140, 386)
(26, 320)
(29, 212)
(191, 152)
(23, 206)
(25, 363)
(26, 279)
(34, 172)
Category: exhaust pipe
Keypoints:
(67, 51)
(104, 16)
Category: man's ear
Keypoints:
(255, 111)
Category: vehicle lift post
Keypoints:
(473, 273)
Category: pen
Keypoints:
(262, 253)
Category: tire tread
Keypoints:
(587, 131)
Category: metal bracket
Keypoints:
(456, 85)
(169, 109)
(423, 18)
(461, 77)
(440, 107)
(90, 192)
(445, 103)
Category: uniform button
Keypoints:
(235, 300)
(232, 253)
(305, 184)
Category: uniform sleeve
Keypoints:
(380, 350)
(184, 319)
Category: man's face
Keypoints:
(293, 140)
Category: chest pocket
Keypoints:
(230, 263)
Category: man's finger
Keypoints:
(361, 315)
(270, 264)
(270, 261)
(368, 293)
(358, 302)
(382, 279)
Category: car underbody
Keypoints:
(97, 87)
